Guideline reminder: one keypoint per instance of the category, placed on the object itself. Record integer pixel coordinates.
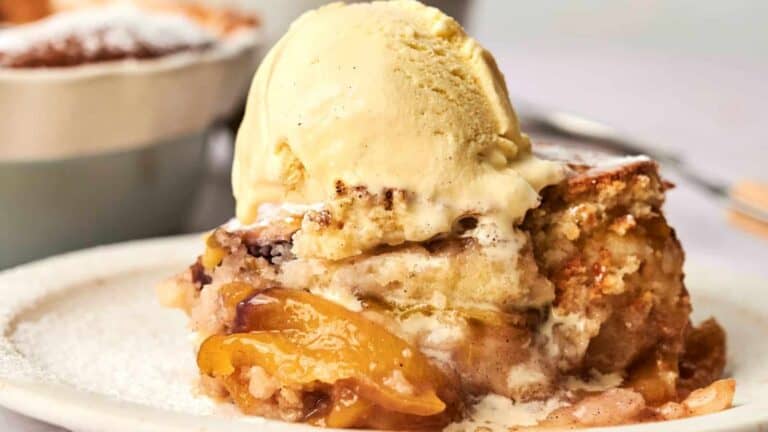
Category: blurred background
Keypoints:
(684, 76)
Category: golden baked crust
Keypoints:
(603, 241)
(96, 35)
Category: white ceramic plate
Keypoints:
(85, 346)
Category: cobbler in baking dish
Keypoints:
(89, 32)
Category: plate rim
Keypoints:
(65, 405)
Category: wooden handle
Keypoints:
(756, 195)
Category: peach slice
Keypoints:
(306, 342)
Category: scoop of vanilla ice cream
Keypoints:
(385, 95)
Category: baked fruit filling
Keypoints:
(581, 310)
(348, 370)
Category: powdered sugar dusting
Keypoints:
(116, 28)
(597, 161)
(128, 346)
(117, 327)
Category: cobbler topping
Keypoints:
(98, 35)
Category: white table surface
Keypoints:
(710, 109)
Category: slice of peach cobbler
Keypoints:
(414, 335)
(401, 259)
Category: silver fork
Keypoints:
(747, 198)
